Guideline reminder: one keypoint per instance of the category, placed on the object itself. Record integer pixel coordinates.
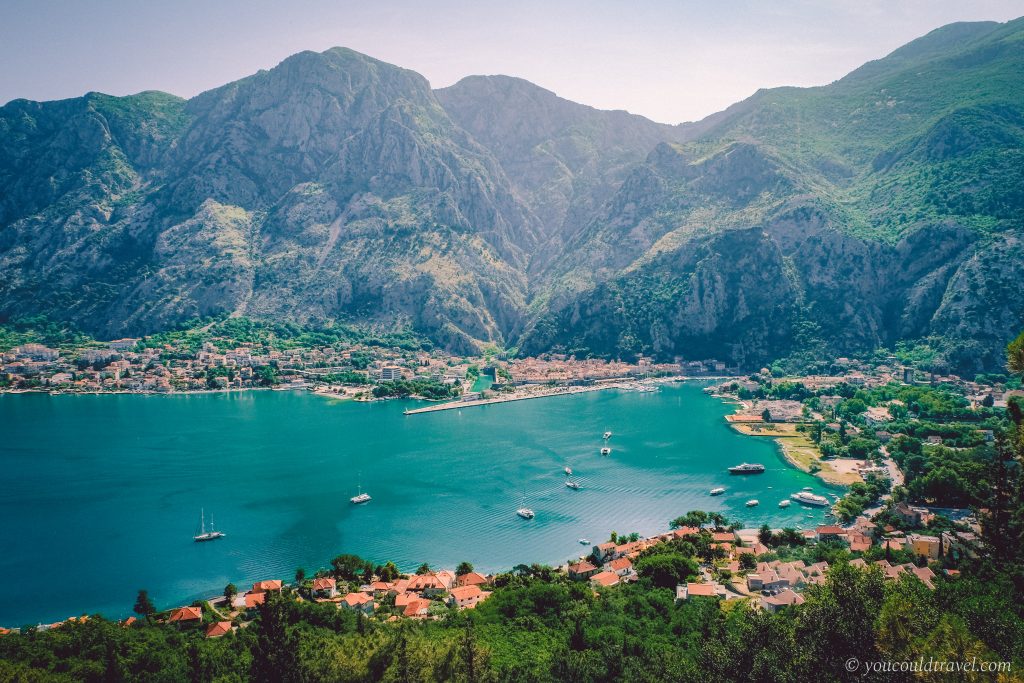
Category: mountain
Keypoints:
(872, 202)
(885, 207)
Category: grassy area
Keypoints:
(800, 451)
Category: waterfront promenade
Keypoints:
(541, 392)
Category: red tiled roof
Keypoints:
(218, 629)
(605, 579)
(324, 584)
(186, 614)
(700, 589)
(471, 579)
(466, 593)
(271, 585)
(830, 529)
(581, 567)
(253, 599)
(620, 563)
(356, 599)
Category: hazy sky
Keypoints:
(671, 60)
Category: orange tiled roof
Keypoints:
(186, 614)
(218, 629)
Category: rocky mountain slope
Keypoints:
(886, 206)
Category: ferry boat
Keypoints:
(606, 435)
(783, 503)
(525, 513)
(747, 468)
(718, 491)
(810, 499)
(606, 451)
(753, 503)
(203, 534)
(574, 485)
(568, 471)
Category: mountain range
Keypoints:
(883, 208)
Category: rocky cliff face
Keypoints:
(884, 207)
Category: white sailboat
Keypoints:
(360, 497)
(525, 512)
(203, 534)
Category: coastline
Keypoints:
(796, 449)
(627, 385)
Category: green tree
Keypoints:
(1015, 355)
(423, 569)
(388, 571)
(230, 591)
(300, 576)
(463, 569)
(275, 652)
(143, 605)
(667, 569)
(764, 535)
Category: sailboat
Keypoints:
(523, 511)
(203, 534)
(360, 497)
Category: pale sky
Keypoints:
(670, 60)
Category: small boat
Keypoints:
(753, 503)
(718, 491)
(574, 485)
(584, 541)
(360, 497)
(810, 499)
(808, 488)
(203, 534)
(606, 451)
(783, 503)
(568, 471)
(606, 435)
(747, 468)
(525, 513)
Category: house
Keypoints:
(604, 552)
(467, 597)
(582, 570)
(359, 602)
(605, 579)
(859, 542)
(379, 588)
(471, 579)
(787, 598)
(429, 584)
(324, 587)
(623, 566)
(253, 600)
(924, 546)
(723, 537)
(265, 586)
(913, 515)
(700, 590)
(830, 532)
(958, 544)
(218, 629)
(127, 623)
(417, 607)
(183, 614)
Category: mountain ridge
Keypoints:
(339, 187)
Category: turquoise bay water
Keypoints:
(100, 495)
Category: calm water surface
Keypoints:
(100, 495)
